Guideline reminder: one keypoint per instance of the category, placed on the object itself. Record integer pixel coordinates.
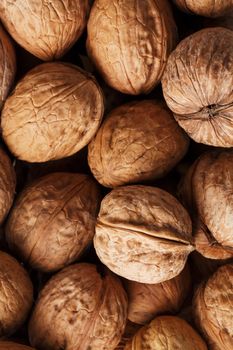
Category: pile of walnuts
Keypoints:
(116, 175)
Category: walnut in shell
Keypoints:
(207, 8)
(213, 308)
(138, 141)
(81, 309)
(53, 220)
(54, 111)
(16, 295)
(129, 42)
(47, 29)
(197, 86)
(9, 345)
(143, 234)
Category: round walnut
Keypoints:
(138, 141)
(143, 234)
(197, 86)
(167, 332)
(9, 345)
(54, 111)
(129, 42)
(207, 8)
(47, 29)
(213, 308)
(16, 295)
(53, 220)
(79, 308)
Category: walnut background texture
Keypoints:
(208, 8)
(8, 345)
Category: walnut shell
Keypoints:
(129, 42)
(9, 345)
(53, 220)
(47, 29)
(54, 111)
(207, 8)
(143, 234)
(16, 295)
(138, 141)
(213, 308)
(197, 86)
(167, 332)
(81, 309)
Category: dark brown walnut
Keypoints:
(167, 332)
(224, 21)
(54, 111)
(148, 300)
(53, 220)
(207, 8)
(143, 234)
(213, 309)
(129, 42)
(16, 295)
(9, 345)
(47, 29)
(197, 86)
(138, 141)
(79, 308)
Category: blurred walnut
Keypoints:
(54, 111)
(143, 234)
(16, 295)
(197, 86)
(81, 309)
(53, 220)
(224, 21)
(213, 309)
(138, 141)
(9, 345)
(167, 332)
(208, 8)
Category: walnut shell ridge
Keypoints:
(9, 345)
(207, 8)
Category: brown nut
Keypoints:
(129, 42)
(138, 141)
(167, 332)
(53, 220)
(54, 111)
(81, 309)
(16, 295)
(207, 8)
(47, 29)
(195, 71)
(9, 345)
(143, 234)
(213, 308)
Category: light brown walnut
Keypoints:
(9, 345)
(207, 8)
(81, 309)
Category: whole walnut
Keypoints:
(143, 234)
(16, 295)
(79, 308)
(167, 332)
(197, 86)
(138, 141)
(53, 220)
(47, 29)
(54, 111)
(129, 42)
(9, 345)
(207, 8)
(213, 308)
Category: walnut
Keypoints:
(197, 86)
(54, 111)
(47, 29)
(79, 308)
(16, 295)
(224, 21)
(167, 332)
(134, 146)
(53, 220)
(143, 234)
(9, 345)
(213, 308)
(207, 8)
(129, 42)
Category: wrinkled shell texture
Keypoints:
(148, 300)
(213, 309)
(16, 295)
(167, 332)
(78, 309)
(138, 141)
(197, 86)
(54, 111)
(208, 8)
(8, 345)
(129, 42)
(143, 234)
(47, 29)
(53, 220)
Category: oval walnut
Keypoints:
(207, 8)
